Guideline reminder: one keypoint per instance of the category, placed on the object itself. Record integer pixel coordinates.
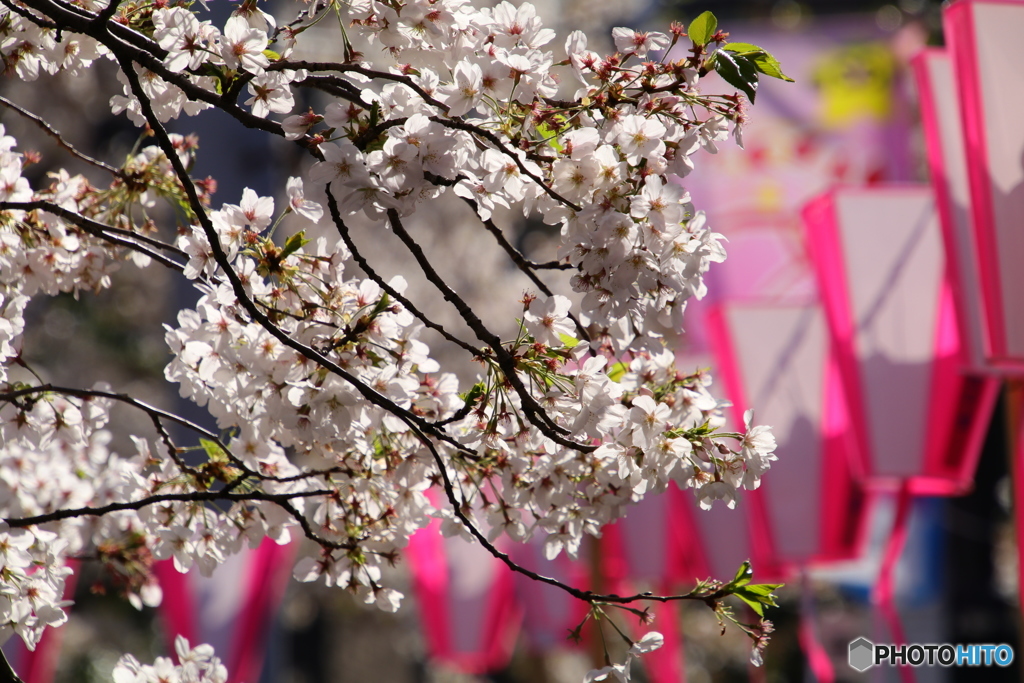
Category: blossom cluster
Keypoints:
(195, 665)
(334, 418)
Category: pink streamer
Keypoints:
(267, 579)
(494, 642)
(176, 607)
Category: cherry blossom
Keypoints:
(335, 417)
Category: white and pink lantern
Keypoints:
(919, 420)
(983, 40)
(947, 166)
(779, 360)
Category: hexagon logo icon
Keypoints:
(862, 654)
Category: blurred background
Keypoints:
(851, 118)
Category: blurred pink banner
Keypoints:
(232, 610)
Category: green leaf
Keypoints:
(738, 71)
(764, 589)
(550, 133)
(293, 244)
(758, 596)
(754, 605)
(616, 371)
(743, 576)
(702, 28)
(762, 59)
(271, 55)
(568, 341)
(743, 48)
(770, 66)
(474, 393)
(213, 451)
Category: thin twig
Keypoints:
(130, 240)
(52, 132)
(238, 288)
(496, 141)
(587, 596)
(521, 262)
(346, 236)
(530, 407)
(355, 68)
(190, 497)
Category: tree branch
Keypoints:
(52, 132)
(346, 236)
(521, 262)
(355, 68)
(238, 288)
(130, 240)
(587, 596)
(533, 411)
(190, 497)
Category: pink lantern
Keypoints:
(984, 44)
(888, 297)
(779, 360)
(947, 165)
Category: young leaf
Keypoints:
(758, 596)
(743, 576)
(743, 48)
(762, 59)
(568, 341)
(738, 71)
(702, 28)
(616, 371)
(213, 451)
(293, 244)
(474, 394)
(770, 66)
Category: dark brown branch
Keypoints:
(52, 132)
(355, 68)
(130, 240)
(529, 405)
(190, 497)
(587, 596)
(114, 396)
(524, 265)
(126, 43)
(496, 141)
(346, 236)
(238, 288)
(335, 86)
(456, 123)
(22, 12)
(551, 265)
